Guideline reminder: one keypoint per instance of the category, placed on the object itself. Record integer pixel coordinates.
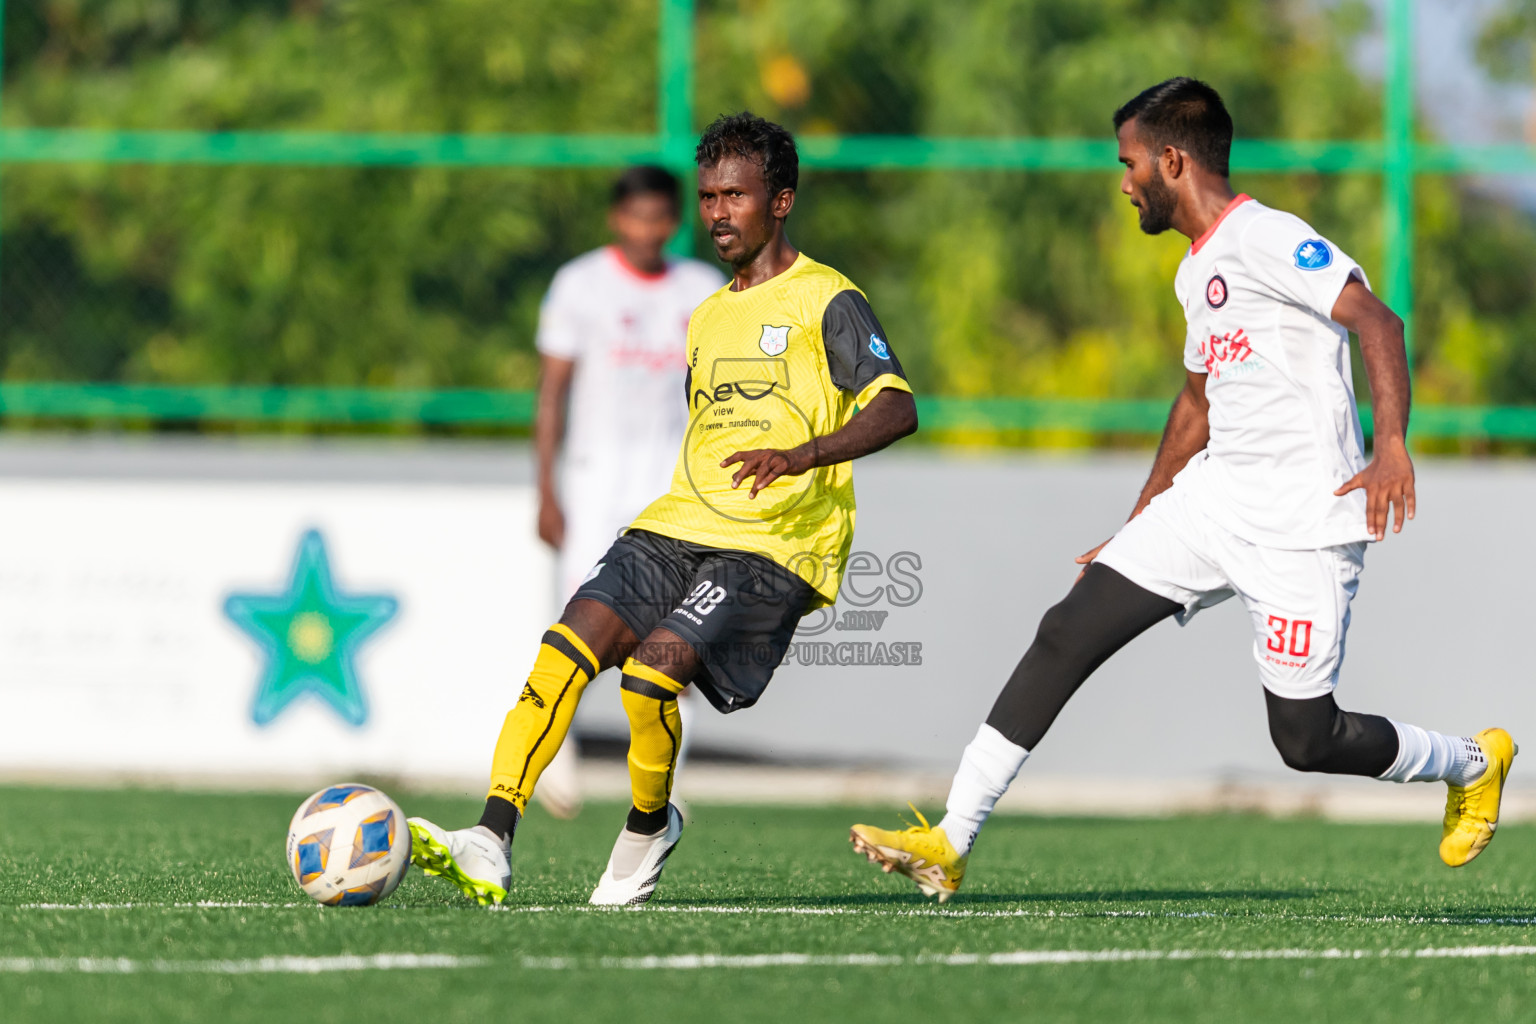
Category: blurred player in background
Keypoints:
(612, 343)
(1260, 489)
(790, 378)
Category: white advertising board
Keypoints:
(118, 656)
(265, 629)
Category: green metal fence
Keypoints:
(1398, 158)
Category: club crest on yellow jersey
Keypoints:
(774, 340)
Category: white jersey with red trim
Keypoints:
(627, 332)
(1258, 291)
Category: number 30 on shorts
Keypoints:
(707, 599)
(1290, 636)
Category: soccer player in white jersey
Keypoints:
(612, 344)
(1259, 489)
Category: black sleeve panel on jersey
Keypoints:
(854, 340)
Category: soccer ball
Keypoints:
(348, 845)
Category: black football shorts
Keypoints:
(737, 610)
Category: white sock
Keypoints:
(1424, 756)
(986, 768)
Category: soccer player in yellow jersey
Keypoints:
(790, 378)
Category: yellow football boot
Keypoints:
(923, 854)
(1472, 812)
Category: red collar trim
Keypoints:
(1234, 204)
(632, 270)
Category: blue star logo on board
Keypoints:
(310, 635)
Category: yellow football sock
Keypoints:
(655, 733)
(538, 722)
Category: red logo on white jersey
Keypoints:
(666, 360)
(1231, 347)
(1216, 291)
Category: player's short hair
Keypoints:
(747, 135)
(648, 179)
(1186, 114)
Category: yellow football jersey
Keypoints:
(772, 367)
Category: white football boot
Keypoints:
(635, 865)
(473, 859)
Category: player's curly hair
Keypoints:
(648, 179)
(747, 135)
(1186, 114)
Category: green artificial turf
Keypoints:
(744, 883)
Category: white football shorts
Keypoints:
(1298, 600)
(601, 499)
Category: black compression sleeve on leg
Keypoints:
(1102, 613)
(1314, 735)
(646, 823)
(500, 817)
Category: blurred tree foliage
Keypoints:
(1506, 43)
(989, 282)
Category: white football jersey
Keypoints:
(627, 333)
(1258, 291)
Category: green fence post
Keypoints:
(674, 106)
(1398, 234)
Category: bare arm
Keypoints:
(548, 433)
(1388, 480)
(1187, 433)
(889, 416)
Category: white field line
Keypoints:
(922, 912)
(961, 912)
(263, 965)
(1020, 958)
(200, 905)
